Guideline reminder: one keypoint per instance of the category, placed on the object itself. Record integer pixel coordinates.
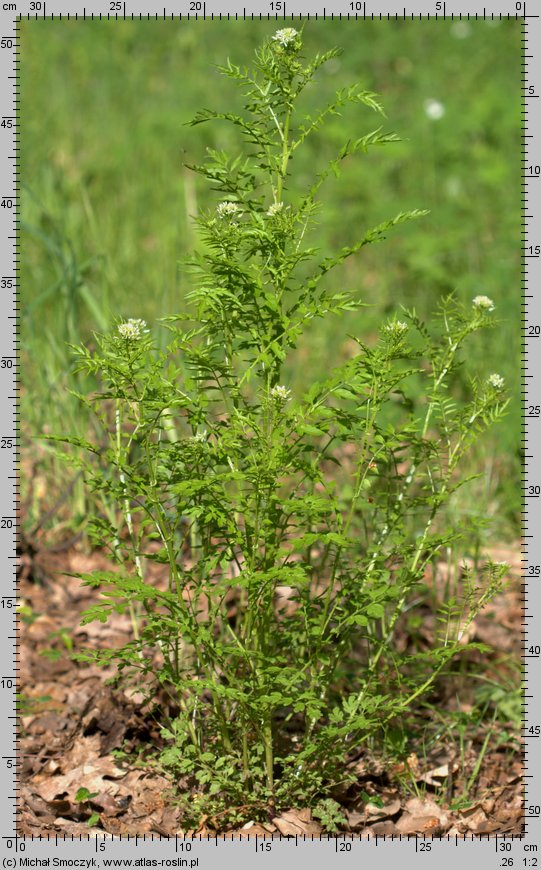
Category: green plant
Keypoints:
(83, 798)
(330, 814)
(289, 531)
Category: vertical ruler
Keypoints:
(531, 385)
(9, 406)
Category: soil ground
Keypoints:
(468, 780)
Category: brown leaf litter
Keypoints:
(73, 722)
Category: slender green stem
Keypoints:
(134, 615)
(269, 754)
(285, 157)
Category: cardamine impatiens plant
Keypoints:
(266, 544)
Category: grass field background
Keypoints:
(106, 200)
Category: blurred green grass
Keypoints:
(106, 202)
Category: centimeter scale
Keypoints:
(103, 850)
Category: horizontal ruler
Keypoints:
(274, 11)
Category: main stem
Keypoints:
(285, 157)
(269, 753)
(267, 726)
(134, 617)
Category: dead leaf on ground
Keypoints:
(377, 814)
(356, 820)
(437, 774)
(256, 828)
(97, 775)
(75, 720)
(422, 817)
(297, 823)
(380, 829)
(107, 805)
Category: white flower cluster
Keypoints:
(229, 210)
(200, 437)
(396, 328)
(496, 381)
(285, 37)
(132, 329)
(275, 209)
(483, 303)
(434, 110)
(281, 394)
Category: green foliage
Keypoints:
(273, 630)
(330, 814)
(83, 795)
(82, 243)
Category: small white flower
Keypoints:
(460, 29)
(434, 110)
(453, 186)
(396, 328)
(200, 437)
(132, 329)
(275, 209)
(229, 210)
(484, 303)
(496, 381)
(282, 394)
(285, 37)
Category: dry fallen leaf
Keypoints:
(473, 819)
(422, 817)
(256, 828)
(408, 824)
(433, 777)
(381, 829)
(355, 819)
(296, 823)
(106, 804)
(96, 776)
(377, 814)
(410, 765)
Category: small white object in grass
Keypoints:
(275, 209)
(484, 303)
(460, 29)
(496, 381)
(282, 394)
(434, 110)
(228, 210)
(132, 329)
(201, 437)
(285, 37)
(453, 186)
